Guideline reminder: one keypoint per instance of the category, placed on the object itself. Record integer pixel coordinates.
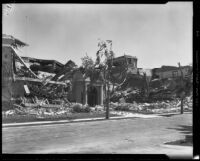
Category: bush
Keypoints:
(123, 107)
(77, 107)
(87, 109)
(80, 108)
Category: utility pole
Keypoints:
(182, 92)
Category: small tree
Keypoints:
(101, 68)
(184, 87)
(104, 70)
(87, 62)
(90, 71)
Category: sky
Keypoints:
(157, 34)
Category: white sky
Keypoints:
(156, 34)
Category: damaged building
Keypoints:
(41, 66)
(26, 77)
(52, 82)
(10, 86)
(18, 80)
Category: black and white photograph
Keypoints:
(97, 78)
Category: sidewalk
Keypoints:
(136, 115)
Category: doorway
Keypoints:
(92, 96)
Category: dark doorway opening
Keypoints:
(92, 96)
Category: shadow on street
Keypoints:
(188, 141)
(169, 115)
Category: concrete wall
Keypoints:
(18, 88)
(79, 92)
(10, 88)
(6, 76)
(77, 87)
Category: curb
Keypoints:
(173, 113)
(62, 121)
(36, 123)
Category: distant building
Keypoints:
(131, 61)
(170, 72)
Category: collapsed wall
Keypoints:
(20, 81)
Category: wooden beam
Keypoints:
(21, 61)
(37, 80)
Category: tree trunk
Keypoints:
(183, 93)
(108, 103)
(181, 105)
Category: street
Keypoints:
(126, 136)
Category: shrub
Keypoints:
(80, 108)
(87, 109)
(122, 107)
(77, 107)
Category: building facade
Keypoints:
(130, 61)
(10, 87)
(84, 92)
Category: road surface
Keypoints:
(132, 136)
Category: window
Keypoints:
(175, 73)
(129, 61)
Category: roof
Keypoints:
(42, 60)
(70, 63)
(127, 56)
(10, 40)
(165, 68)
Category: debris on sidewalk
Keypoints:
(129, 114)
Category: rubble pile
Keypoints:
(129, 114)
(38, 112)
(138, 95)
(37, 107)
(156, 107)
(50, 91)
(129, 95)
(40, 108)
(45, 94)
(135, 89)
